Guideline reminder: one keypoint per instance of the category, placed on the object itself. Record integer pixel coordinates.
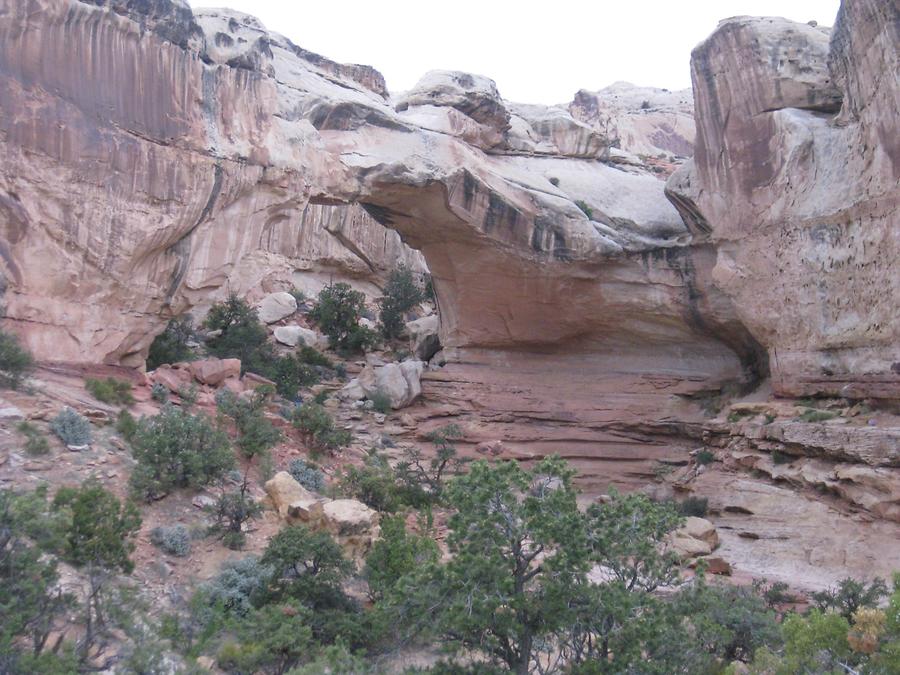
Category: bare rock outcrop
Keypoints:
(795, 181)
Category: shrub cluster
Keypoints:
(338, 311)
(171, 346)
(317, 427)
(110, 390)
(35, 442)
(401, 294)
(71, 428)
(176, 449)
(173, 539)
(15, 361)
(307, 474)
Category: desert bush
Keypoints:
(243, 336)
(110, 390)
(237, 586)
(171, 346)
(71, 428)
(338, 311)
(159, 393)
(35, 442)
(126, 425)
(173, 539)
(396, 554)
(694, 506)
(851, 595)
(705, 457)
(401, 294)
(15, 361)
(230, 512)
(587, 210)
(781, 457)
(317, 427)
(307, 474)
(813, 415)
(381, 402)
(422, 480)
(176, 449)
(255, 433)
(374, 484)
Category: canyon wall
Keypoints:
(796, 182)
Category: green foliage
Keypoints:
(626, 536)
(374, 484)
(242, 335)
(171, 346)
(31, 605)
(126, 425)
(15, 361)
(424, 480)
(519, 561)
(273, 638)
(230, 512)
(781, 458)
(694, 506)
(159, 393)
(255, 434)
(110, 390)
(396, 554)
(317, 427)
(238, 586)
(302, 559)
(813, 415)
(307, 474)
(816, 643)
(338, 312)
(176, 449)
(35, 442)
(173, 539)
(336, 659)
(71, 428)
(101, 528)
(401, 294)
(587, 210)
(705, 457)
(188, 395)
(381, 402)
(850, 595)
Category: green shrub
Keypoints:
(126, 425)
(255, 433)
(71, 428)
(35, 442)
(313, 357)
(159, 393)
(242, 335)
(308, 475)
(705, 457)
(231, 511)
(381, 402)
(338, 312)
(110, 390)
(813, 415)
(188, 395)
(581, 204)
(15, 361)
(299, 295)
(396, 554)
(694, 506)
(401, 294)
(851, 595)
(781, 458)
(317, 427)
(176, 449)
(174, 539)
(238, 585)
(171, 346)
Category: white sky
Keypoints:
(537, 52)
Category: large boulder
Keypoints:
(173, 379)
(424, 340)
(294, 335)
(400, 382)
(353, 525)
(276, 306)
(292, 501)
(697, 537)
(213, 371)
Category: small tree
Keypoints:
(231, 511)
(171, 346)
(176, 449)
(100, 539)
(401, 294)
(396, 554)
(317, 427)
(338, 312)
(241, 336)
(850, 595)
(71, 428)
(15, 361)
(256, 435)
(426, 478)
(519, 554)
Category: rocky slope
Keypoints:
(155, 158)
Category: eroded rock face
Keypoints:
(795, 181)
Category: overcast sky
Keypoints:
(537, 52)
